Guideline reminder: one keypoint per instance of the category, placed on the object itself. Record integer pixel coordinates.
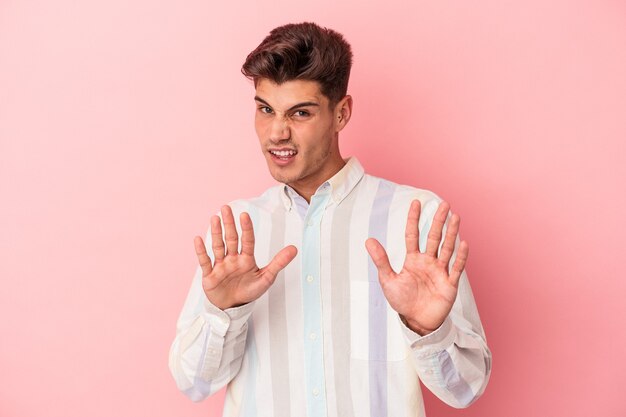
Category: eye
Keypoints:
(265, 109)
(301, 113)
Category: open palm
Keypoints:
(235, 279)
(424, 291)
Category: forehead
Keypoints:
(289, 93)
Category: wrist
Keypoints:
(414, 326)
(219, 302)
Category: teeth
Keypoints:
(283, 153)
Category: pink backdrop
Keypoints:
(124, 125)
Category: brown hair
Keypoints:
(303, 51)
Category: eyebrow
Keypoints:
(296, 106)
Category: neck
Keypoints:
(306, 188)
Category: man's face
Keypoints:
(298, 132)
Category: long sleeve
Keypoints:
(323, 340)
(208, 348)
(454, 361)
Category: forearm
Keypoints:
(452, 364)
(207, 351)
(454, 361)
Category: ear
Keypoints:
(342, 113)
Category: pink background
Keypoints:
(125, 124)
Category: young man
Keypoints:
(362, 292)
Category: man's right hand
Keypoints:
(235, 279)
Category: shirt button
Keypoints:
(429, 371)
(316, 392)
(309, 278)
(312, 336)
(310, 223)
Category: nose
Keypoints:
(279, 130)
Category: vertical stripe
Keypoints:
(250, 360)
(312, 305)
(326, 289)
(340, 303)
(378, 305)
(277, 317)
(262, 218)
(403, 389)
(293, 304)
(249, 406)
(359, 296)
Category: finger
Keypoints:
(459, 263)
(280, 261)
(216, 238)
(230, 231)
(412, 233)
(203, 257)
(434, 234)
(379, 257)
(247, 234)
(447, 248)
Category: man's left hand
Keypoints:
(424, 291)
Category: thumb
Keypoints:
(380, 258)
(281, 260)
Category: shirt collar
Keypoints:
(340, 184)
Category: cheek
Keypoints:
(317, 138)
(307, 135)
(259, 127)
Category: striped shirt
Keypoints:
(323, 341)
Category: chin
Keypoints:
(286, 175)
(284, 179)
(281, 177)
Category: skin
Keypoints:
(296, 115)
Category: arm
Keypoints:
(454, 361)
(434, 301)
(211, 330)
(208, 348)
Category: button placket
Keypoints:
(312, 307)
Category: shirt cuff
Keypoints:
(229, 320)
(438, 340)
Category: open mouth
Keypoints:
(283, 157)
(283, 154)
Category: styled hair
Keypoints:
(303, 51)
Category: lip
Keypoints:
(282, 161)
(281, 149)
